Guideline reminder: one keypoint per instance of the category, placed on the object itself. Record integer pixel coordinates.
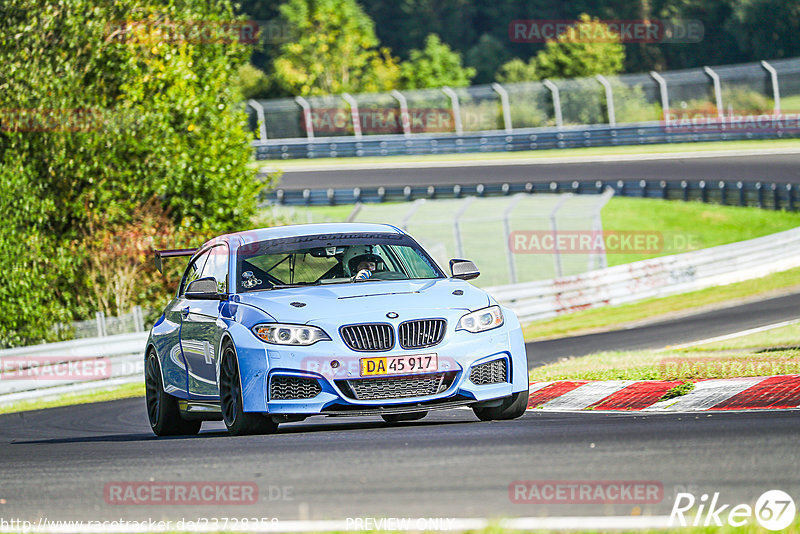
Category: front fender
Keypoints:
(251, 354)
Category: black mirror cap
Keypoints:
(464, 269)
(204, 289)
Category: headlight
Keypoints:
(289, 334)
(481, 320)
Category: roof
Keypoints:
(294, 230)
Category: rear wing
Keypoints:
(171, 253)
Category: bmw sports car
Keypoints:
(278, 324)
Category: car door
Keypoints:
(201, 330)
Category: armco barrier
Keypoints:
(498, 141)
(655, 277)
(44, 370)
(767, 195)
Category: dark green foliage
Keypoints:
(109, 122)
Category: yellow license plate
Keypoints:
(399, 365)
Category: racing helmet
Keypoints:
(352, 252)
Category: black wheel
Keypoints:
(239, 423)
(512, 407)
(162, 408)
(400, 417)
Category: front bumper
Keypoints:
(336, 391)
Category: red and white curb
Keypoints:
(756, 393)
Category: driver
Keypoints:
(364, 265)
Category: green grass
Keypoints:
(687, 226)
(751, 355)
(785, 336)
(678, 391)
(669, 148)
(124, 391)
(609, 317)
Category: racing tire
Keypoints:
(512, 407)
(402, 417)
(238, 422)
(162, 408)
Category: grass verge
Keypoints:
(609, 317)
(566, 153)
(751, 355)
(124, 391)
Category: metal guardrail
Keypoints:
(768, 195)
(52, 369)
(657, 277)
(500, 141)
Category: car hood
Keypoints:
(408, 298)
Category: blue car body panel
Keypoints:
(190, 335)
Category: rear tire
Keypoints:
(162, 408)
(402, 417)
(512, 407)
(238, 422)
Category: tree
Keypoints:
(486, 56)
(334, 50)
(587, 48)
(109, 116)
(437, 65)
(517, 70)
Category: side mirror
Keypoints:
(464, 269)
(204, 289)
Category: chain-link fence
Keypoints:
(754, 88)
(100, 326)
(512, 239)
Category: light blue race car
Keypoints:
(275, 325)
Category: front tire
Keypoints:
(162, 408)
(239, 422)
(402, 417)
(512, 407)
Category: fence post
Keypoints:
(353, 114)
(662, 86)
(457, 227)
(101, 323)
(612, 119)
(717, 90)
(262, 122)
(500, 90)
(556, 102)
(512, 268)
(138, 318)
(303, 103)
(404, 117)
(597, 226)
(456, 107)
(554, 230)
(417, 204)
(776, 92)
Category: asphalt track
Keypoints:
(780, 168)
(57, 462)
(672, 332)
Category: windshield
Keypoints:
(325, 259)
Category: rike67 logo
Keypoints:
(774, 510)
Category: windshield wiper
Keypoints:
(288, 286)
